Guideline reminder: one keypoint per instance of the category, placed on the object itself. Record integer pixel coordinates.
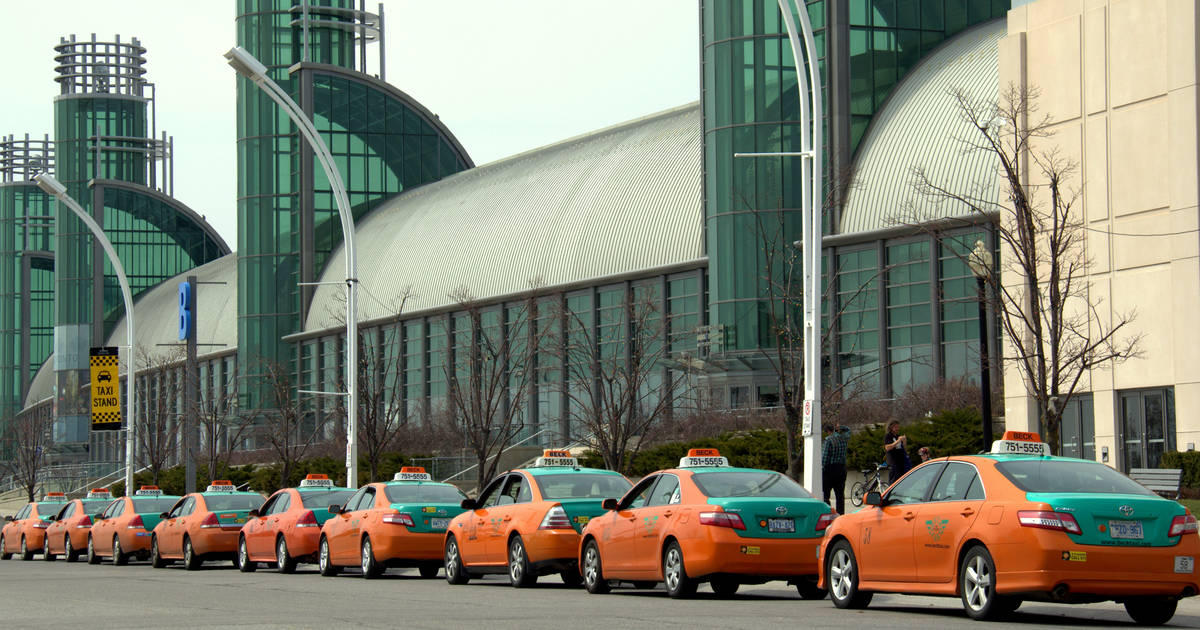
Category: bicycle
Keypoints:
(873, 483)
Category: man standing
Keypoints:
(833, 466)
(897, 457)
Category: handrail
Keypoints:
(120, 472)
(497, 455)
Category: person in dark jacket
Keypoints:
(894, 445)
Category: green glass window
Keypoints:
(959, 306)
(858, 321)
(909, 330)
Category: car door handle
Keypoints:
(908, 516)
(967, 511)
(668, 513)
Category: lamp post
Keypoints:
(247, 66)
(54, 188)
(980, 262)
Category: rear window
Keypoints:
(153, 506)
(46, 509)
(424, 493)
(219, 502)
(582, 486)
(1049, 475)
(95, 505)
(325, 498)
(764, 483)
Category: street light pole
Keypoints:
(980, 263)
(54, 188)
(247, 66)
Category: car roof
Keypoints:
(558, 470)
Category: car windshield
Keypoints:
(218, 502)
(324, 498)
(153, 506)
(423, 492)
(1051, 475)
(756, 483)
(582, 486)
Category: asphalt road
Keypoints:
(39, 594)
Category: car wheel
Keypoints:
(244, 563)
(520, 575)
(26, 552)
(156, 559)
(191, 560)
(92, 557)
(69, 553)
(841, 571)
(808, 589)
(324, 561)
(593, 570)
(724, 587)
(429, 570)
(46, 555)
(119, 558)
(679, 585)
(456, 573)
(4, 554)
(977, 586)
(1151, 611)
(284, 560)
(370, 567)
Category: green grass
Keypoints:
(1192, 504)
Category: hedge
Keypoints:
(1188, 462)
(758, 448)
(953, 432)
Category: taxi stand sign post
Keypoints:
(703, 458)
(412, 473)
(556, 458)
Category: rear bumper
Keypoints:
(551, 549)
(222, 541)
(1096, 570)
(135, 541)
(771, 558)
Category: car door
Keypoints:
(104, 527)
(941, 524)
(618, 547)
(514, 498)
(351, 536)
(885, 552)
(171, 542)
(662, 508)
(343, 535)
(259, 539)
(57, 530)
(473, 546)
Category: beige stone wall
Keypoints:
(1119, 80)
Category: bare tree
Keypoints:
(1056, 335)
(221, 426)
(158, 429)
(28, 437)
(290, 425)
(620, 384)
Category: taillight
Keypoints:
(722, 519)
(397, 518)
(1046, 519)
(84, 522)
(308, 519)
(1183, 524)
(136, 522)
(210, 521)
(556, 518)
(824, 520)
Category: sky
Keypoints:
(504, 77)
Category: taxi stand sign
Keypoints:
(221, 485)
(1020, 443)
(556, 458)
(316, 481)
(412, 473)
(105, 389)
(703, 458)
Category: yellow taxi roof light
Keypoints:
(148, 488)
(221, 482)
(1021, 436)
(316, 476)
(412, 469)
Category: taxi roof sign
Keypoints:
(221, 485)
(412, 473)
(55, 496)
(556, 457)
(316, 480)
(98, 493)
(702, 458)
(1020, 443)
(148, 491)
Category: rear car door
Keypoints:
(259, 540)
(513, 498)
(473, 546)
(620, 549)
(885, 552)
(171, 541)
(942, 523)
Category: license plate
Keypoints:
(781, 525)
(1185, 564)
(1129, 530)
(439, 523)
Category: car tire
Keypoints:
(808, 589)
(69, 553)
(325, 561)
(429, 570)
(46, 555)
(593, 570)
(520, 574)
(679, 585)
(119, 557)
(4, 554)
(977, 586)
(284, 560)
(724, 587)
(371, 568)
(1151, 611)
(244, 563)
(156, 559)
(456, 573)
(191, 559)
(92, 556)
(841, 571)
(26, 552)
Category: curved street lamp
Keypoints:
(980, 262)
(54, 188)
(247, 66)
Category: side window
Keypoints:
(665, 492)
(954, 482)
(111, 510)
(975, 491)
(352, 504)
(178, 509)
(513, 489)
(24, 513)
(118, 508)
(67, 511)
(367, 501)
(282, 503)
(915, 487)
(639, 495)
(490, 496)
(268, 506)
(189, 506)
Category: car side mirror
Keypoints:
(468, 504)
(252, 514)
(608, 504)
(164, 515)
(51, 518)
(873, 498)
(8, 519)
(98, 517)
(335, 509)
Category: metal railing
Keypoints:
(497, 455)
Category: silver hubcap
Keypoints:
(366, 555)
(977, 583)
(67, 546)
(516, 558)
(841, 574)
(452, 559)
(591, 562)
(243, 553)
(187, 552)
(116, 547)
(91, 547)
(673, 568)
(324, 559)
(281, 554)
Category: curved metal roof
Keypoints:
(920, 125)
(614, 201)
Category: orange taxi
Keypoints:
(1016, 524)
(202, 526)
(286, 530)
(67, 534)
(26, 531)
(123, 530)
(526, 522)
(706, 521)
(398, 523)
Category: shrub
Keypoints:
(1188, 462)
(757, 448)
(953, 432)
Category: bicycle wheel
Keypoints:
(857, 492)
